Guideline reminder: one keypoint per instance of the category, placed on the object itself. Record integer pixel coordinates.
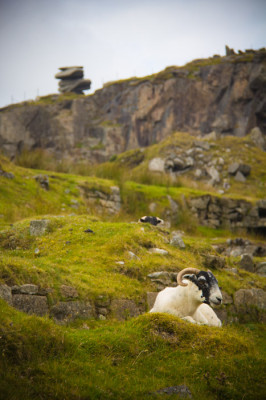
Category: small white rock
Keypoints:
(162, 252)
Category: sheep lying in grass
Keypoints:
(191, 300)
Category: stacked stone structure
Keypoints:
(71, 80)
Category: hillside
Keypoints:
(221, 94)
(78, 273)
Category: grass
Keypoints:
(67, 255)
(93, 359)
(128, 360)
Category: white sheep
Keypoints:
(191, 300)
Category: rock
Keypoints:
(198, 173)
(250, 305)
(227, 299)
(211, 136)
(239, 177)
(6, 294)
(39, 227)
(43, 180)
(141, 113)
(244, 169)
(70, 73)
(239, 170)
(151, 297)
(68, 291)
(8, 175)
(182, 391)
(155, 250)
(213, 262)
(163, 279)
(202, 145)
(177, 241)
(124, 308)
(71, 80)
(69, 311)
(233, 168)
(31, 304)
(214, 174)
(25, 289)
(156, 165)
(258, 138)
(132, 256)
(261, 268)
(247, 262)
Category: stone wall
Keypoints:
(217, 212)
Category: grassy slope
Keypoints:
(118, 360)
(68, 255)
(127, 360)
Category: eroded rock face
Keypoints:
(227, 96)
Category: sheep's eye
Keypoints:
(220, 287)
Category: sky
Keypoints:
(116, 39)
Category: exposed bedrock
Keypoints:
(222, 94)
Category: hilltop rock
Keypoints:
(71, 80)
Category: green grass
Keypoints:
(128, 360)
(67, 255)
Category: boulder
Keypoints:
(250, 305)
(257, 138)
(202, 145)
(69, 311)
(214, 174)
(239, 177)
(261, 268)
(157, 164)
(163, 279)
(25, 289)
(70, 73)
(247, 262)
(6, 294)
(31, 304)
(213, 262)
(233, 168)
(177, 241)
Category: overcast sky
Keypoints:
(116, 39)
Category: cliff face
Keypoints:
(222, 94)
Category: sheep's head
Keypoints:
(205, 282)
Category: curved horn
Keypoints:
(186, 271)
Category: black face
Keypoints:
(205, 281)
(151, 220)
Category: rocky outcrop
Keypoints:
(103, 201)
(71, 80)
(225, 95)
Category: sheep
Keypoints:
(152, 220)
(191, 300)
